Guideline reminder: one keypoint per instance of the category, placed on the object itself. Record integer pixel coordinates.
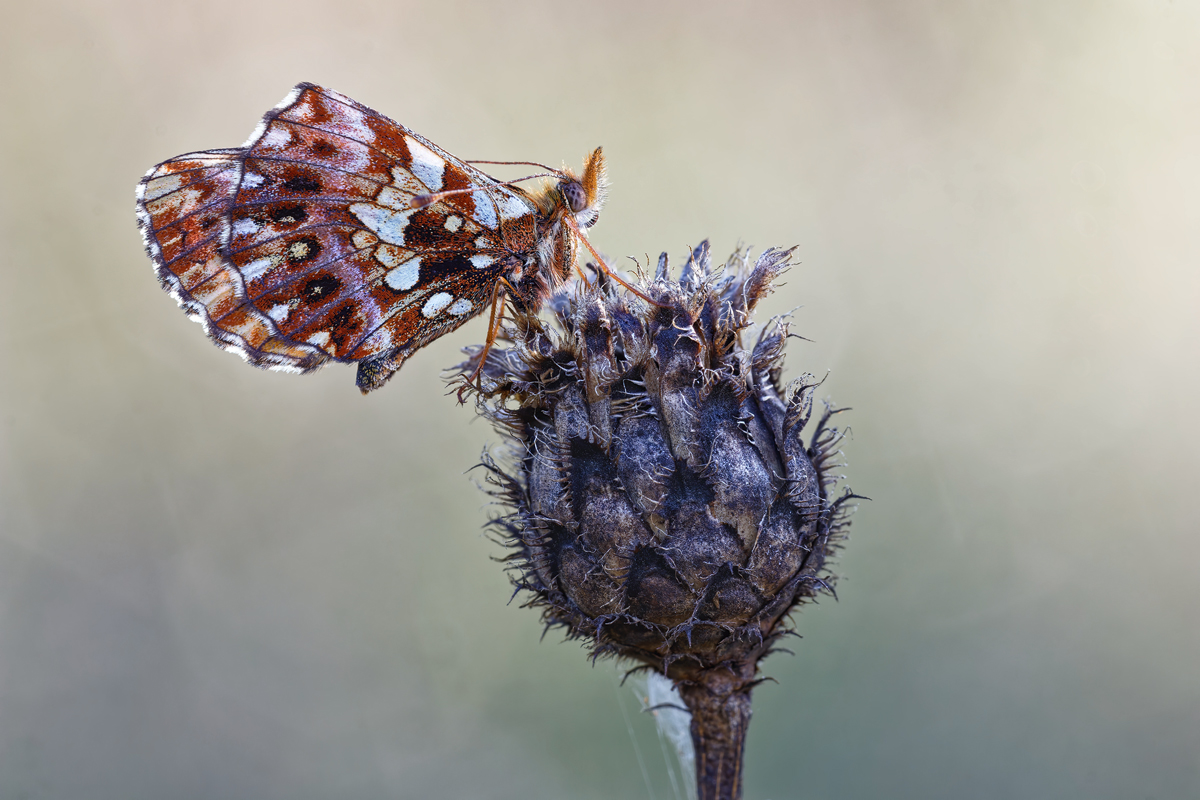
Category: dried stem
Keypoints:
(720, 709)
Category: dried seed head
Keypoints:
(667, 499)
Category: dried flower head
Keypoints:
(665, 502)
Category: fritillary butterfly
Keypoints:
(336, 234)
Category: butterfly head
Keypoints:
(582, 196)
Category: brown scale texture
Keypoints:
(668, 500)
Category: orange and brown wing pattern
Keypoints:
(304, 245)
(183, 210)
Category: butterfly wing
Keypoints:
(301, 246)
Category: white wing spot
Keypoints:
(395, 198)
(157, 187)
(255, 269)
(512, 206)
(252, 180)
(453, 223)
(279, 312)
(405, 276)
(436, 303)
(403, 180)
(320, 338)
(386, 224)
(427, 165)
(485, 209)
(182, 202)
(479, 261)
(460, 306)
(391, 256)
(278, 137)
(356, 123)
(244, 227)
(483, 243)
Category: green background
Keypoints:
(217, 582)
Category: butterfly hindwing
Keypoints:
(183, 211)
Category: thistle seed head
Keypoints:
(666, 498)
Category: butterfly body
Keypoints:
(337, 234)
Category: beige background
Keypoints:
(217, 582)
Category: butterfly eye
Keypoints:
(573, 193)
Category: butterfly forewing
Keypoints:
(304, 244)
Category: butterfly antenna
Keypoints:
(426, 200)
(531, 177)
(520, 164)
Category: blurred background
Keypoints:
(218, 582)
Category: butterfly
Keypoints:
(337, 234)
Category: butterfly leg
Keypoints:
(604, 267)
(494, 320)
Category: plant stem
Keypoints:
(720, 709)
